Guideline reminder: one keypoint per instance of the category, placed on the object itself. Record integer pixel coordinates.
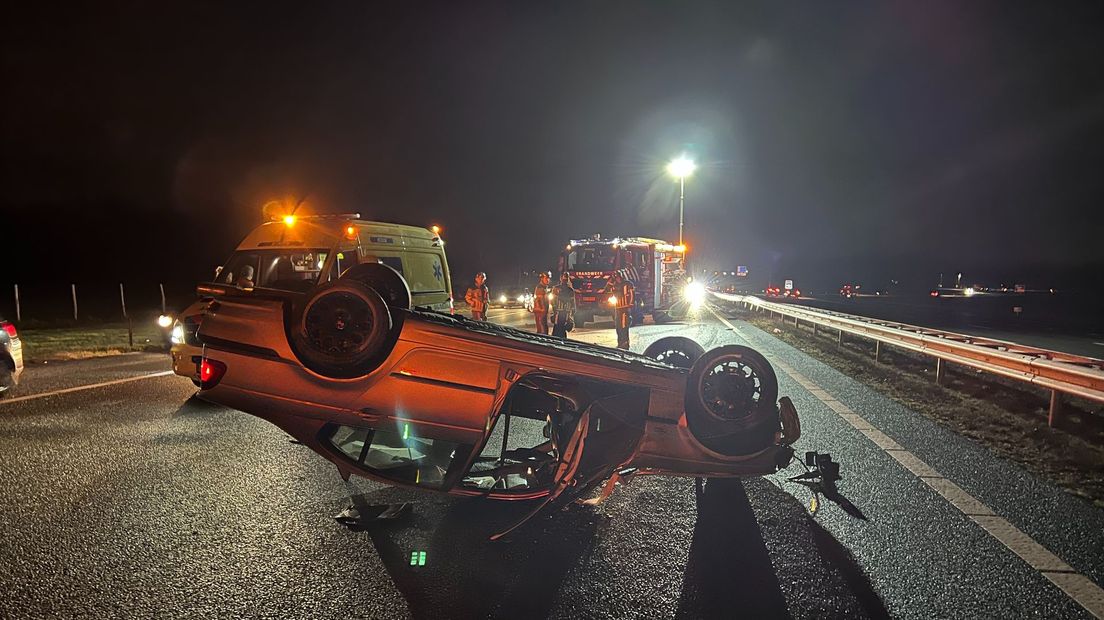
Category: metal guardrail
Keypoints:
(1061, 373)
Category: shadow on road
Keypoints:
(729, 567)
(779, 563)
(197, 407)
(465, 575)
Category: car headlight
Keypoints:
(502, 299)
(177, 335)
(694, 293)
(164, 321)
(521, 299)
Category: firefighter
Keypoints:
(478, 296)
(540, 302)
(622, 298)
(563, 307)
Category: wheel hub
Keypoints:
(338, 324)
(732, 389)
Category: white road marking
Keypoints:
(1099, 343)
(1078, 587)
(81, 388)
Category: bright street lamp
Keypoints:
(680, 168)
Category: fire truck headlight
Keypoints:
(694, 293)
(164, 321)
(612, 300)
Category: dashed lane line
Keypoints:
(81, 388)
(1078, 587)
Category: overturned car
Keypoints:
(425, 399)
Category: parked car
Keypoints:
(439, 402)
(11, 356)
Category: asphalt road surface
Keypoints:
(135, 499)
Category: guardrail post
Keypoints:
(877, 351)
(840, 341)
(940, 371)
(814, 328)
(1055, 413)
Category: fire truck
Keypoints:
(656, 268)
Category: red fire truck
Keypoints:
(656, 268)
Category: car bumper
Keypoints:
(185, 360)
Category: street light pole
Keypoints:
(681, 168)
(682, 204)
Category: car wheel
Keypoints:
(341, 329)
(388, 283)
(730, 400)
(678, 351)
(6, 380)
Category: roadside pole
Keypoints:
(130, 328)
(162, 287)
(18, 316)
(73, 287)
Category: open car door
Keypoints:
(565, 472)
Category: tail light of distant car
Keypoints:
(8, 327)
(210, 373)
(934, 293)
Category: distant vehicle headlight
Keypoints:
(502, 299)
(521, 299)
(695, 293)
(164, 321)
(177, 336)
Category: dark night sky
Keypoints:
(837, 140)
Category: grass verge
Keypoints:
(1007, 417)
(68, 343)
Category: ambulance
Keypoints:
(294, 254)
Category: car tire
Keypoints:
(388, 283)
(341, 330)
(678, 351)
(731, 396)
(7, 374)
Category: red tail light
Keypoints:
(8, 327)
(210, 373)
